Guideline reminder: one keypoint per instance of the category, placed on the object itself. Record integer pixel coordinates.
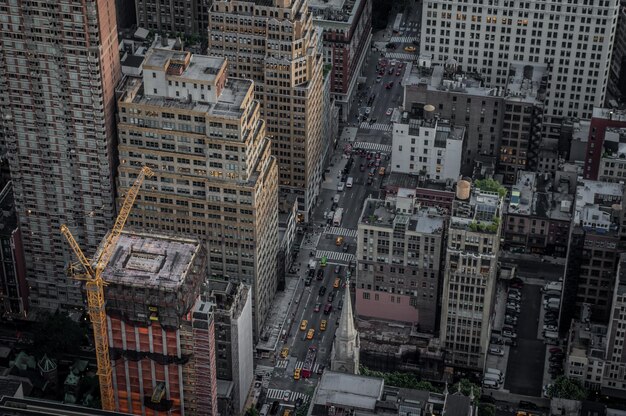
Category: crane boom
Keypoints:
(95, 289)
(127, 205)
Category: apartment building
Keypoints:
(399, 253)
(188, 17)
(233, 342)
(593, 250)
(469, 284)
(215, 178)
(161, 333)
(537, 218)
(489, 38)
(275, 44)
(429, 147)
(346, 33)
(603, 141)
(617, 76)
(13, 284)
(57, 106)
(585, 354)
(613, 382)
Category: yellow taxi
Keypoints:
(339, 241)
(323, 325)
(296, 374)
(410, 48)
(310, 334)
(303, 325)
(284, 353)
(337, 282)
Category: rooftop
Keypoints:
(525, 83)
(330, 11)
(229, 104)
(348, 390)
(482, 210)
(595, 203)
(148, 260)
(534, 195)
(394, 214)
(185, 64)
(609, 114)
(588, 339)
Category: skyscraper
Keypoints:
(215, 178)
(59, 65)
(274, 43)
(490, 36)
(187, 17)
(470, 276)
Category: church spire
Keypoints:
(345, 355)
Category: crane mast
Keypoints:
(95, 287)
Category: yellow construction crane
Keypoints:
(95, 288)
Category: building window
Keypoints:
(366, 295)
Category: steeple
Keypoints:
(345, 355)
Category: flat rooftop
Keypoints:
(149, 260)
(228, 105)
(199, 67)
(524, 84)
(379, 213)
(348, 390)
(534, 195)
(446, 78)
(609, 114)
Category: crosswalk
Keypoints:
(401, 56)
(274, 394)
(262, 370)
(377, 147)
(376, 126)
(333, 255)
(404, 39)
(346, 232)
(300, 364)
(282, 363)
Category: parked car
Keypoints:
(555, 359)
(389, 111)
(317, 308)
(496, 351)
(509, 334)
(322, 290)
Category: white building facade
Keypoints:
(429, 148)
(575, 39)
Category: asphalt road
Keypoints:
(524, 372)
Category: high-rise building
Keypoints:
(233, 341)
(593, 250)
(161, 333)
(399, 251)
(13, 285)
(489, 38)
(126, 14)
(59, 64)
(613, 382)
(215, 178)
(186, 17)
(604, 143)
(617, 77)
(275, 44)
(469, 285)
(347, 33)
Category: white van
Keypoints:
(340, 186)
(490, 384)
(349, 182)
(493, 377)
(336, 198)
(553, 303)
(494, 371)
(558, 286)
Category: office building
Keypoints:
(186, 17)
(399, 251)
(537, 218)
(233, 341)
(57, 104)
(593, 251)
(585, 354)
(346, 33)
(13, 285)
(126, 14)
(606, 132)
(613, 382)
(215, 178)
(489, 38)
(469, 284)
(275, 44)
(161, 333)
(617, 77)
(429, 147)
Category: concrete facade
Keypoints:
(275, 44)
(188, 17)
(603, 120)
(399, 251)
(215, 178)
(60, 133)
(487, 39)
(469, 284)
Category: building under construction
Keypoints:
(161, 334)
